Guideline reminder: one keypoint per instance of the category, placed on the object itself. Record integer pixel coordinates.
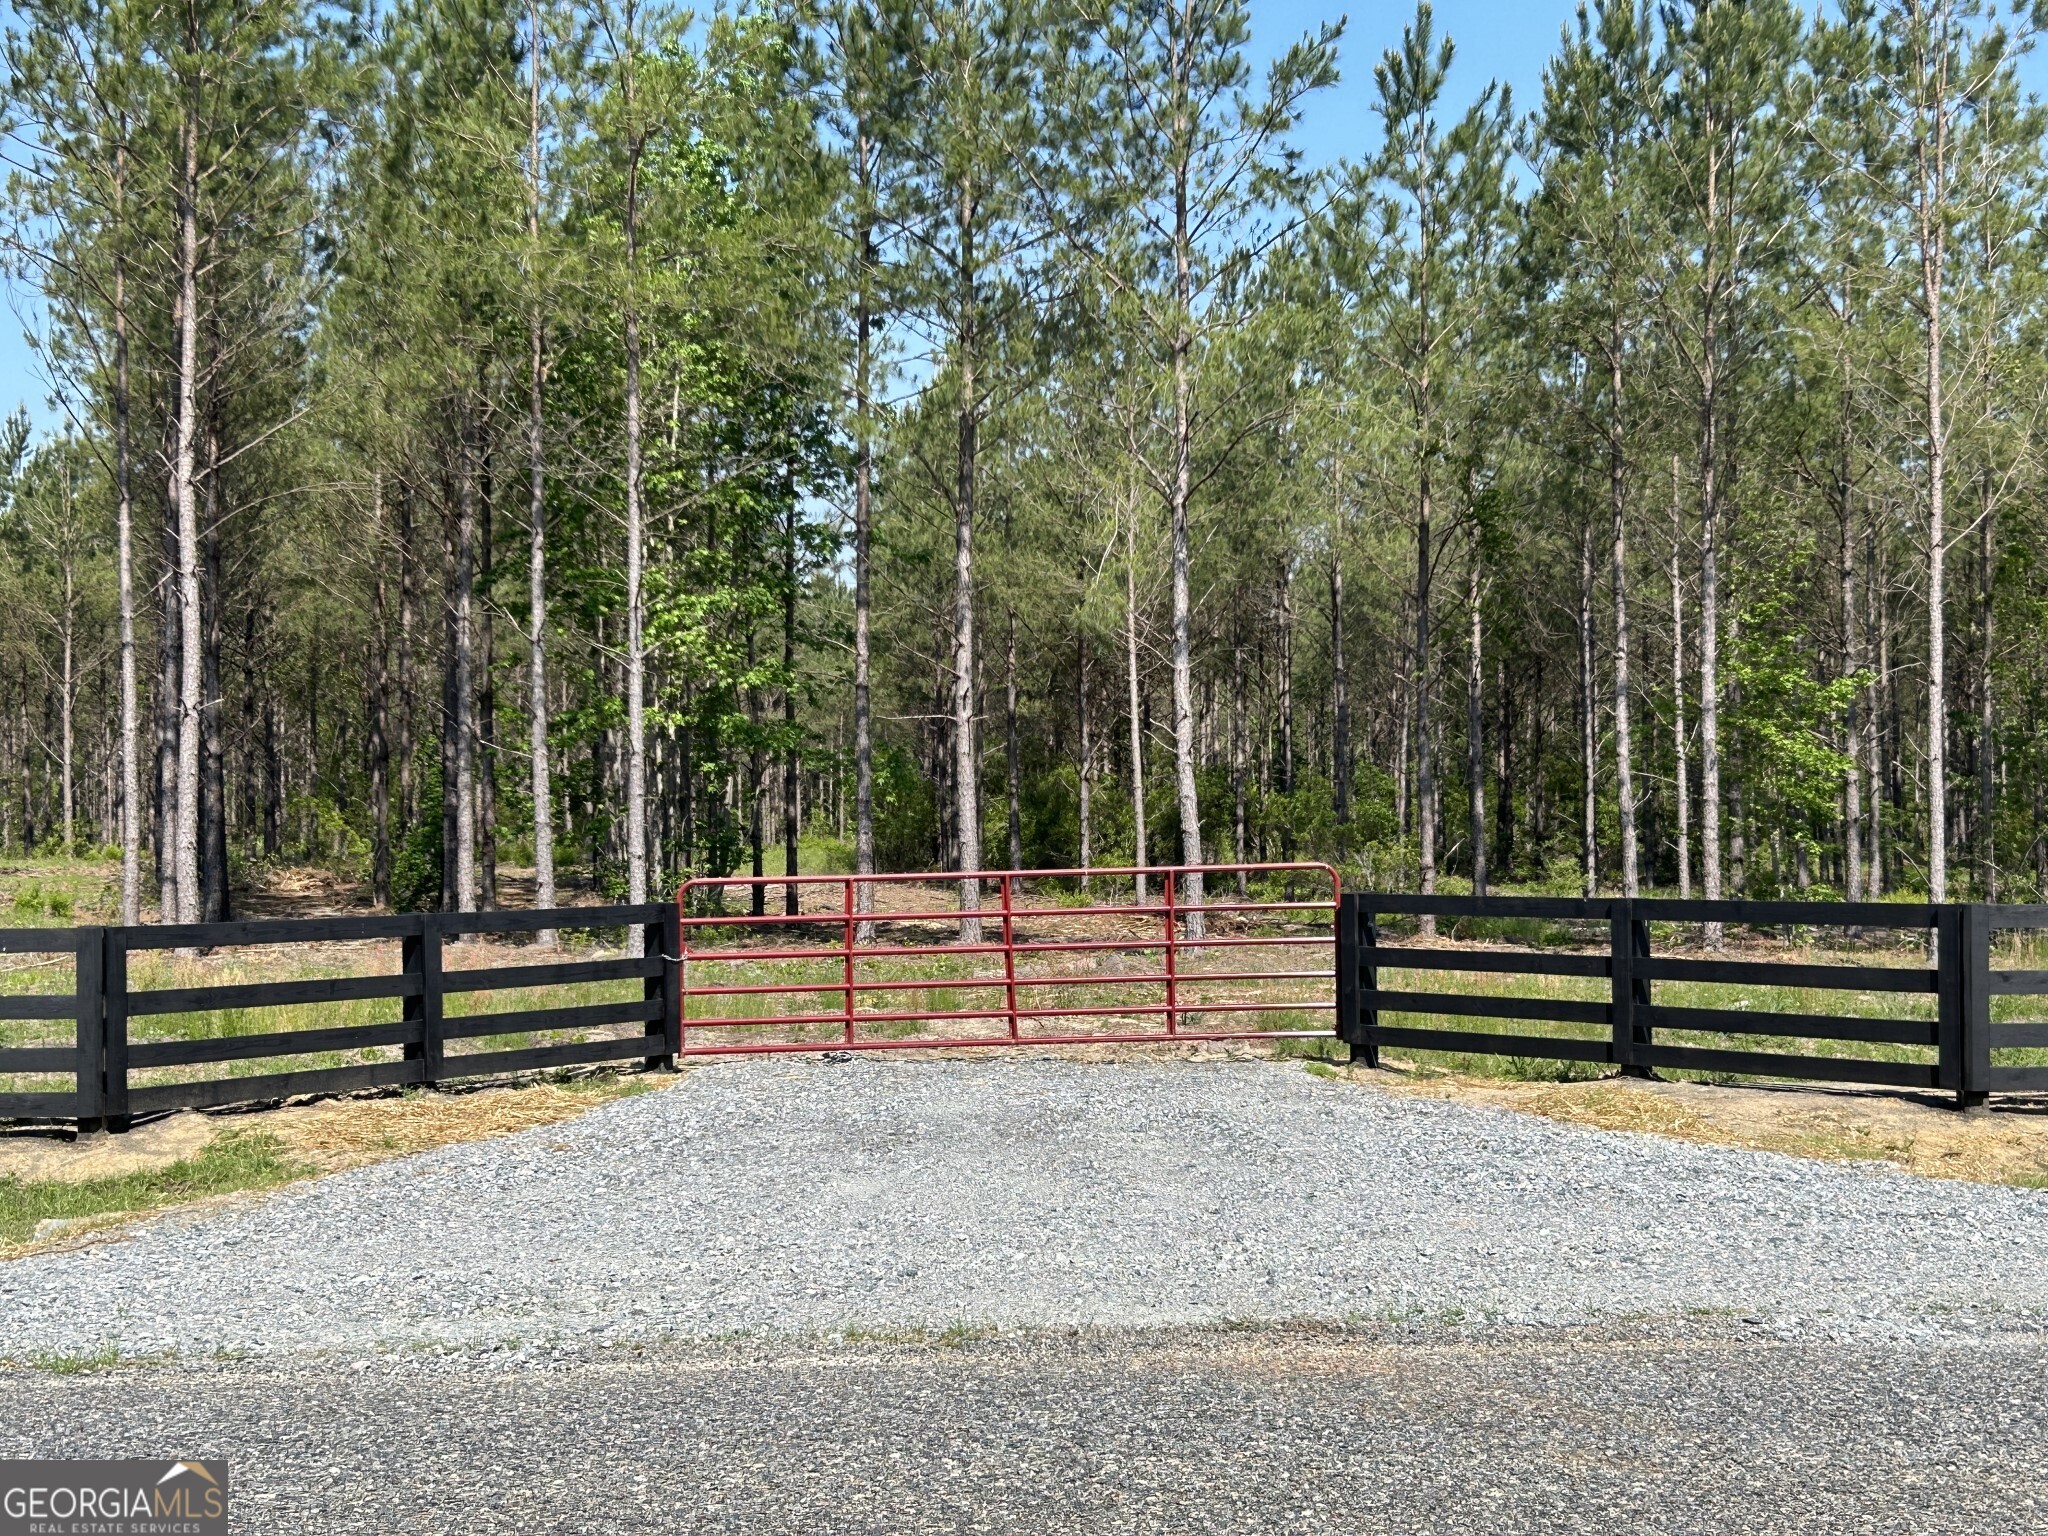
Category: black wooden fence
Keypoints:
(110, 1074)
(1960, 1044)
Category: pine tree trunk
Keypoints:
(66, 706)
(1475, 742)
(213, 806)
(1086, 787)
(1239, 809)
(185, 504)
(461, 733)
(1852, 664)
(791, 767)
(1183, 485)
(1682, 788)
(1136, 706)
(1589, 829)
(966, 761)
(1987, 752)
(863, 524)
(1283, 767)
(124, 537)
(1624, 748)
(408, 613)
(487, 696)
(1425, 757)
(537, 549)
(1012, 751)
(636, 618)
(1340, 699)
(380, 706)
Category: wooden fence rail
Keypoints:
(114, 1077)
(1961, 1041)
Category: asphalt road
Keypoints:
(1704, 1425)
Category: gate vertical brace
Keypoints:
(1974, 961)
(1172, 951)
(847, 939)
(89, 978)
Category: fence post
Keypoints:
(1974, 961)
(663, 938)
(1347, 973)
(1365, 1044)
(89, 977)
(420, 956)
(114, 1030)
(1628, 940)
(1950, 1002)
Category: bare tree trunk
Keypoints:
(124, 532)
(66, 701)
(1852, 664)
(537, 549)
(1624, 748)
(791, 767)
(380, 706)
(462, 631)
(1589, 831)
(1087, 774)
(408, 612)
(1183, 485)
(1284, 662)
(966, 760)
(636, 618)
(1475, 742)
(1012, 752)
(1932, 213)
(1425, 757)
(1340, 696)
(487, 694)
(1131, 678)
(863, 523)
(1987, 752)
(1239, 818)
(1682, 789)
(185, 503)
(213, 809)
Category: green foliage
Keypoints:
(238, 1161)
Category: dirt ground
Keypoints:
(326, 1134)
(2005, 1142)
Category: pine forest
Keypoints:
(512, 452)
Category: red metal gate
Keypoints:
(822, 975)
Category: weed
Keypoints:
(58, 1364)
(238, 1161)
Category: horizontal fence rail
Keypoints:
(1627, 1025)
(1027, 972)
(127, 1057)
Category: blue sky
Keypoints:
(1507, 40)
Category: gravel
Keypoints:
(1397, 1430)
(800, 1197)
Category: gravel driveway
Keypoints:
(799, 1197)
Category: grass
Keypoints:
(244, 1160)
